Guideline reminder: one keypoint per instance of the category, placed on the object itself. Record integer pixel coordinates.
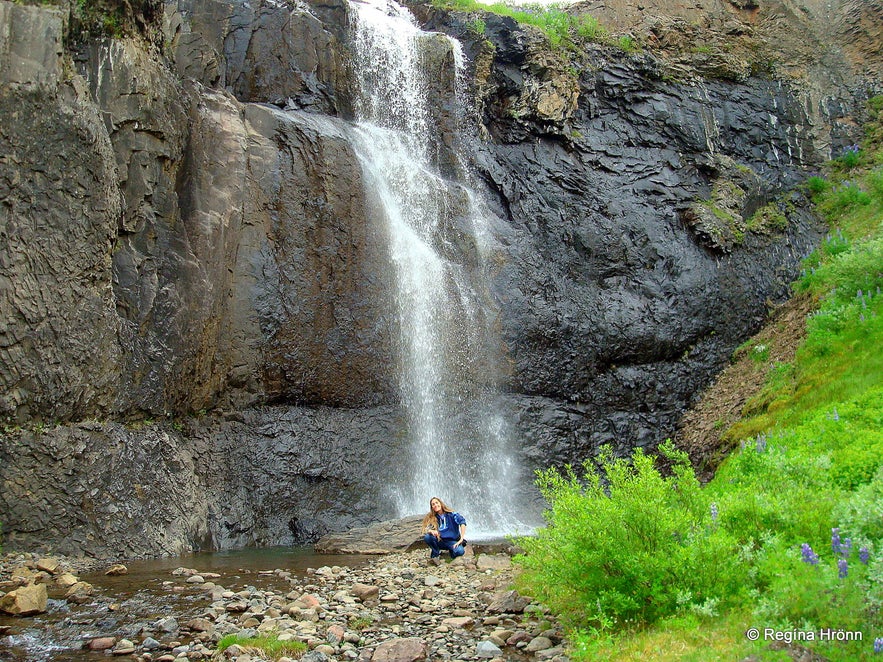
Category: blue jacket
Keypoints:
(449, 525)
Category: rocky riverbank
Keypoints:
(394, 608)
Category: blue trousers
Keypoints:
(437, 546)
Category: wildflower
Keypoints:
(842, 568)
(835, 540)
(864, 555)
(835, 416)
(846, 548)
(714, 513)
(761, 443)
(878, 645)
(808, 555)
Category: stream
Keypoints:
(123, 605)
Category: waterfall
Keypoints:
(448, 360)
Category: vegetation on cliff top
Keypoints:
(562, 28)
(782, 551)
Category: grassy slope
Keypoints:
(808, 457)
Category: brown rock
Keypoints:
(335, 634)
(79, 593)
(116, 570)
(365, 592)
(124, 647)
(23, 575)
(30, 599)
(66, 580)
(493, 562)
(200, 625)
(307, 601)
(463, 622)
(407, 649)
(51, 566)
(538, 644)
(101, 643)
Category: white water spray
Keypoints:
(448, 362)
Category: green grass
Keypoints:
(563, 29)
(642, 564)
(266, 645)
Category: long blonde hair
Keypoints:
(429, 521)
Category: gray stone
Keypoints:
(487, 649)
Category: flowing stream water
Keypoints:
(123, 604)
(449, 360)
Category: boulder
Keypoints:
(79, 593)
(507, 602)
(101, 643)
(50, 565)
(24, 601)
(408, 649)
(378, 538)
(365, 592)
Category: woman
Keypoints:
(444, 529)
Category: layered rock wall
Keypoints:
(195, 341)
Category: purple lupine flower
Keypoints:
(864, 555)
(808, 555)
(835, 540)
(835, 416)
(714, 512)
(846, 548)
(878, 645)
(842, 568)
(761, 443)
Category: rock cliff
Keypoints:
(195, 339)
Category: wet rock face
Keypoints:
(615, 307)
(59, 208)
(279, 53)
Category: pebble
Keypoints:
(396, 607)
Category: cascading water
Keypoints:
(448, 363)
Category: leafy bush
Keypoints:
(590, 29)
(851, 157)
(628, 544)
(844, 199)
(816, 185)
(861, 516)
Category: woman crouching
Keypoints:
(443, 529)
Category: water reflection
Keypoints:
(124, 606)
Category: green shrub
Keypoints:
(628, 544)
(875, 185)
(478, 26)
(590, 29)
(816, 186)
(844, 199)
(627, 44)
(807, 587)
(861, 516)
